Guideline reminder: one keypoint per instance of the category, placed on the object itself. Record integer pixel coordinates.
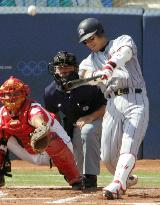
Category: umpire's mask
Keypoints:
(63, 67)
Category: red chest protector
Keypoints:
(18, 127)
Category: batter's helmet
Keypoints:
(88, 27)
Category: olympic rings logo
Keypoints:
(32, 68)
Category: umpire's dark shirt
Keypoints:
(79, 102)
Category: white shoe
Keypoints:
(113, 191)
(132, 180)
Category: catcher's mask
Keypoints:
(13, 93)
(67, 61)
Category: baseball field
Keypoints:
(41, 185)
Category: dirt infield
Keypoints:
(64, 195)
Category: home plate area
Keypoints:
(64, 195)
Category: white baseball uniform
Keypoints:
(126, 118)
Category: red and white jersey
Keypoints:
(20, 127)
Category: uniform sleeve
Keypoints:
(36, 109)
(49, 102)
(49, 106)
(122, 41)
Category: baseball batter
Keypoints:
(127, 112)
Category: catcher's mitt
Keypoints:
(40, 138)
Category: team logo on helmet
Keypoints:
(81, 31)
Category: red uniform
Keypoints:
(21, 128)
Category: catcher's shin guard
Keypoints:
(63, 159)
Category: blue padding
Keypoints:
(106, 3)
(27, 43)
(151, 68)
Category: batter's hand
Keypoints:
(83, 120)
(106, 71)
(100, 72)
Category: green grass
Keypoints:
(35, 178)
(52, 178)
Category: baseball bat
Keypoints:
(79, 82)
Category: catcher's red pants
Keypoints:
(63, 159)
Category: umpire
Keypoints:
(83, 109)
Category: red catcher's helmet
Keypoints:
(13, 93)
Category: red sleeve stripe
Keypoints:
(112, 64)
(108, 67)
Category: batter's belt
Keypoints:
(125, 91)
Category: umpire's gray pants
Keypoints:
(86, 146)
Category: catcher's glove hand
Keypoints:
(40, 138)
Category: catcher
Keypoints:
(36, 130)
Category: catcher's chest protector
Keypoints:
(18, 127)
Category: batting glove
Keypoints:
(106, 71)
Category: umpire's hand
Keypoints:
(83, 120)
